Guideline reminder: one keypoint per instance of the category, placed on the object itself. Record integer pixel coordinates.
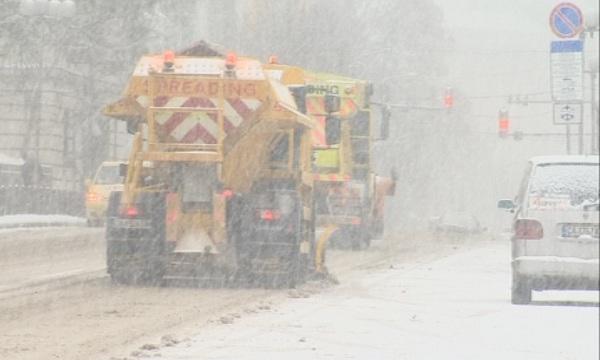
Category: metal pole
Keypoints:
(114, 147)
(594, 133)
(580, 137)
(568, 139)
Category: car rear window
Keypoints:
(563, 185)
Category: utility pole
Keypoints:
(594, 112)
(592, 70)
(591, 28)
(568, 133)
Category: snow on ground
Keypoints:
(33, 220)
(454, 308)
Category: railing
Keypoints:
(19, 199)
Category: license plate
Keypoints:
(131, 223)
(577, 230)
(266, 264)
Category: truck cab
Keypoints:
(346, 187)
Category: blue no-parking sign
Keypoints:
(566, 20)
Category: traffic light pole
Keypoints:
(568, 132)
(405, 107)
(567, 127)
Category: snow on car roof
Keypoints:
(557, 159)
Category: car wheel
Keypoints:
(521, 292)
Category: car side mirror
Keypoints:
(506, 204)
(123, 170)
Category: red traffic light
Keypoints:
(448, 99)
(503, 123)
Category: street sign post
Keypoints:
(566, 70)
(568, 114)
(566, 20)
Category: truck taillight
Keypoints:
(227, 193)
(92, 197)
(130, 211)
(269, 215)
(528, 229)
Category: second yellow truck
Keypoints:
(349, 194)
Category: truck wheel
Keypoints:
(521, 292)
(139, 258)
(299, 271)
(359, 238)
(121, 277)
(126, 275)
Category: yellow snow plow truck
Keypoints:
(349, 195)
(219, 185)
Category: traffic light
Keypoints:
(448, 98)
(503, 123)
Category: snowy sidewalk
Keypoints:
(34, 220)
(454, 308)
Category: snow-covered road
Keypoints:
(38, 255)
(457, 307)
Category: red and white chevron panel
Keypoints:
(315, 106)
(318, 132)
(201, 127)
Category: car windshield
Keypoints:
(563, 185)
(108, 174)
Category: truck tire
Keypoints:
(360, 238)
(520, 291)
(137, 256)
(255, 244)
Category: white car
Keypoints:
(555, 229)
